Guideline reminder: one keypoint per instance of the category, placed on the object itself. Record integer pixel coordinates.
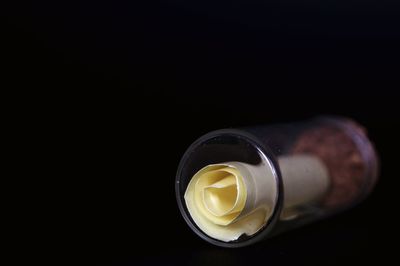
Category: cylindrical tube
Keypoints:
(235, 187)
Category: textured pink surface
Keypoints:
(342, 158)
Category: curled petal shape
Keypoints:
(219, 193)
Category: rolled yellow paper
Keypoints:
(221, 201)
(230, 199)
(219, 193)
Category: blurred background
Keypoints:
(113, 92)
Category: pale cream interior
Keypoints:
(219, 194)
(221, 199)
(230, 199)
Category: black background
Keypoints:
(117, 90)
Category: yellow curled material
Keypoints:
(230, 199)
(219, 193)
(222, 199)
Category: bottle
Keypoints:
(235, 187)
